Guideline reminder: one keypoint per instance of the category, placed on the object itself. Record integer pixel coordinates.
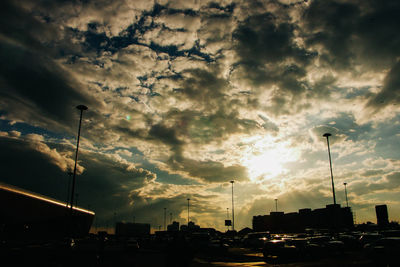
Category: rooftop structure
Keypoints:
(382, 216)
(27, 214)
(331, 217)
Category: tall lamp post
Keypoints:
(330, 164)
(81, 108)
(276, 204)
(69, 186)
(233, 209)
(165, 218)
(188, 210)
(345, 193)
(227, 217)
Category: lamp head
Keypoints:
(82, 107)
(326, 134)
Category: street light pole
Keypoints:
(188, 210)
(165, 218)
(330, 164)
(81, 108)
(69, 186)
(276, 204)
(345, 192)
(233, 210)
(227, 217)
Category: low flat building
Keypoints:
(330, 217)
(26, 215)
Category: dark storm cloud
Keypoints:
(30, 169)
(104, 185)
(107, 183)
(262, 43)
(359, 33)
(34, 84)
(333, 25)
(204, 87)
(389, 182)
(201, 128)
(354, 31)
(390, 93)
(164, 134)
(261, 39)
(270, 56)
(210, 171)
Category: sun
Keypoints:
(264, 157)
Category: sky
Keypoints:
(184, 96)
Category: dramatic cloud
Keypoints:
(185, 96)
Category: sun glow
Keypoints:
(264, 157)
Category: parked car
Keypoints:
(369, 238)
(131, 244)
(280, 249)
(384, 251)
(256, 240)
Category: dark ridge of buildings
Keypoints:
(190, 227)
(28, 215)
(382, 216)
(132, 229)
(173, 227)
(331, 217)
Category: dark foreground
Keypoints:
(91, 253)
(196, 249)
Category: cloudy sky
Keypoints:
(186, 95)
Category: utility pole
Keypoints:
(188, 210)
(81, 108)
(165, 219)
(233, 210)
(345, 192)
(227, 217)
(69, 186)
(330, 164)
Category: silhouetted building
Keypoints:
(132, 229)
(245, 231)
(331, 217)
(190, 227)
(28, 215)
(173, 227)
(382, 216)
